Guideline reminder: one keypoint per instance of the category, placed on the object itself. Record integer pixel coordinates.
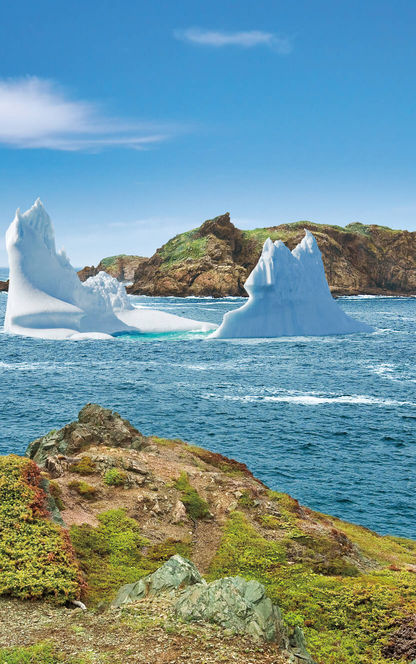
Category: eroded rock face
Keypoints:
(176, 573)
(4, 286)
(95, 426)
(216, 259)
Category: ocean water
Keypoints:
(330, 420)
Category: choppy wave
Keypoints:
(313, 399)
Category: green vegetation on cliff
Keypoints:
(347, 614)
(36, 558)
(41, 653)
(196, 507)
(188, 245)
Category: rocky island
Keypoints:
(216, 258)
(136, 548)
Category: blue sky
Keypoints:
(135, 120)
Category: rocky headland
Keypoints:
(216, 258)
(181, 554)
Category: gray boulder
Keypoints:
(95, 426)
(235, 604)
(176, 573)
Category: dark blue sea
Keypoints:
(330, 420)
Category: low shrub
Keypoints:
(85, 490)
(85, 466)
(111, 554)
(40, 653)
(36, 557)
(196, 507)
(347, 616)
(115, 477)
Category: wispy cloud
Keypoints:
(247, 39)
(36, 113)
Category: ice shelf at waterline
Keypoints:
(288, 296)
(46, 298)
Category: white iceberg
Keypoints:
(288, 296)
(46, 298)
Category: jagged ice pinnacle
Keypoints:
(47, 299)
(288, 296)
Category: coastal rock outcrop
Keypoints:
(216, 259)
(349, 590)
(236, 604)
(175, 574)
(95, 426)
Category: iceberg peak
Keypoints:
(288, 296)
(46, 298)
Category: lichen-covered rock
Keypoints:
(235, 604)
(176, 573)
(95, 426)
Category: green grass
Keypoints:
(47, 652)
(36, 558)
(109, 260)
(111, 554)
(183, 246)
(196, 507)
(347, 616)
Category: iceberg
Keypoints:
(46, 298)
(288, 296)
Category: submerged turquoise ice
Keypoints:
(331, 420)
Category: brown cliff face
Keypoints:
(216, 258)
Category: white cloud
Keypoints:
(248, 39)
(36, 113)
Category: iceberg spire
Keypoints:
(288, 296)
(47, 299)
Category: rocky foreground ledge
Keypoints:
(182, 555)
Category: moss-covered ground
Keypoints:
(40, 653)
